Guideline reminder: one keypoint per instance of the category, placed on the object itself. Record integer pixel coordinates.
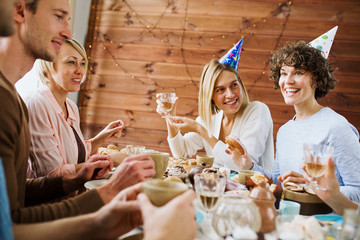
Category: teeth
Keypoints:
(76, 80)
(291, 90)
(231, 102)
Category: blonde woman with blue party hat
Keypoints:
(224, 109)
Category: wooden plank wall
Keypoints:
(138, 48)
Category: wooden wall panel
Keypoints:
(138, 48)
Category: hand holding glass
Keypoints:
(316, 157)
(168, 100)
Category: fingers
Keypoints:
(186, 197)
(102, 173)
(95, 158)
(145, 205)
(331, 166)
(130, 193)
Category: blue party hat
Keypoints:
(232, 57)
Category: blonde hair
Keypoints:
(46, 67)
(207, 107)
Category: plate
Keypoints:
(329, 219)
(94, 183)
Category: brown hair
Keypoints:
(302, 56)
(32, 5)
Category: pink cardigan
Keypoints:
(53, 147)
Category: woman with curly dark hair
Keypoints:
(303, 75)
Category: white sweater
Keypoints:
(254, 127)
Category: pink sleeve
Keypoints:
(45, 154)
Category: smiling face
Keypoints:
(227, 94)
(47, 28)
(296, 86)
(69, 69)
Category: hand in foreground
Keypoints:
(98, 166)
(175, 219)
(184, 124)
(292, 177)
(132, 170)
(121, 215)
(117, 158)
(161, 110)
(327, 181)
(242, 160)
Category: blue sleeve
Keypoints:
(345, 139)
(5, 219)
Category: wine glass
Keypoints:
(168, 100)
(209, 189)
(134, 149)
(316, 157)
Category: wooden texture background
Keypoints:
(138, 48)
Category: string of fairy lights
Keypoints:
(148, 27)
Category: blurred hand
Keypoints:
(160, 107)
(113, 129)
(293, 177)
(117, 158)
(121, 215)
(328, 181)
(98, 166)
(243, 161)
(184, 124)
(132, 170)
(175, 219)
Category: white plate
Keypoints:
(95, 183)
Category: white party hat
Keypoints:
(324, 42)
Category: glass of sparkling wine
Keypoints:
(316, 157)
(168, 100)
(209, 189)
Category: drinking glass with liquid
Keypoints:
(168, 101)
(209, 189)
(316, 157)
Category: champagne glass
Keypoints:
(209, 189)
(168, 100)
(316, 157)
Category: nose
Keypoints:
(229, 93)
(66, 31)
(289, 78)
(79, 69)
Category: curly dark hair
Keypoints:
(302, 56)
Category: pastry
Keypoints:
(172, 179)
(235, 144)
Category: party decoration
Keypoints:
(324, 42)
(232, 57)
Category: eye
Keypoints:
(299, 73)
(219, 90)
(234, 85)
(282, 74)
(71, 62)
(82, 64)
